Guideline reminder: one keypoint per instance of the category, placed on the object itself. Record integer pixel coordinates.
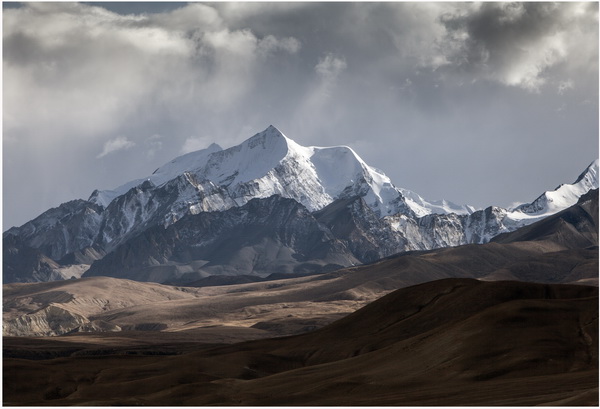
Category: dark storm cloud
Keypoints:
(516, 42)
(441, 96)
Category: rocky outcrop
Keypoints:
(67, 228)
(265, 236)
(51, 320)
(23, 263)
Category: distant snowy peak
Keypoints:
(315, 176)
(182, 164)
(347, 199)
(422, 207)
(160, 176)
(565, 195)
(588, 180)
(343, 174)
(250, 160)
(270, 163)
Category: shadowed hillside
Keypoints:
(447, 342)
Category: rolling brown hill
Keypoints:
(446, 342)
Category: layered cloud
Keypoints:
(78, 69)
(518, 44)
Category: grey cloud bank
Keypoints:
(484, 103)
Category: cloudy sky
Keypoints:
(485, 103)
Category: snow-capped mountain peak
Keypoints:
(182, 164)
(252, 159)
(270, 163)
(347, 199)
(563, 196)
(422, 207)
(589, 176)
(160, 176)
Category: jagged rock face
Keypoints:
(86, 255)
(62, 230)
(147, 205)
(18, 258)
(429, 232)
(367, 236)
(53, 320)
(262, 237)
(449, 230)
(49, 321)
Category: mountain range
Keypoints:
(510, 321)
(453, 326)
(560, 249)
(265, 207)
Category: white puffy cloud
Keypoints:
(119, 143)
(330, 66)
(271, 44)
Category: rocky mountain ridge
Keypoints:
(562, 248)
(354, 210)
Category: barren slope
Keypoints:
(448, 342)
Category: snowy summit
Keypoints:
(247, 185)
(270, 163)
